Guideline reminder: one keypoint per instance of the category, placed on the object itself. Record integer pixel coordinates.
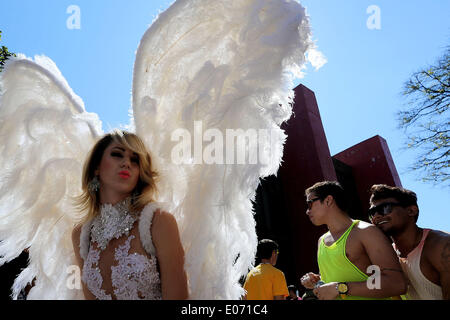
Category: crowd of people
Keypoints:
(390, 258)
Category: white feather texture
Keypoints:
(226, 65)
(229, 64)
(45, 135)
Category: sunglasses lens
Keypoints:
(309, 203)
(387, 208)
(382, 209)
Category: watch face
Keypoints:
(342, 287)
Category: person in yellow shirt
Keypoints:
(265, 282)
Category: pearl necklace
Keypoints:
(112, 222)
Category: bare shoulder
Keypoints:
(437, 248)
(369, 233)
(367, 229)
(164, 225)
(163, 219)
(166, 237)
(321, 237)
(363, 225)
(437, 237)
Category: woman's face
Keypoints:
(118, 173)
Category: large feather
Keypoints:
(227, 65)
(46, 134)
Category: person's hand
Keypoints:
(327, 291)
(309, 280)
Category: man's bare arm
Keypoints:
(440, 260)
(445, 274)
(382, 255)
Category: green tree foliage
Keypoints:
(4, 54)
(426, 119)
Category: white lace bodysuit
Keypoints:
(111, 270)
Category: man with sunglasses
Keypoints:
(265, 282)
(424, 254)
(347, 250)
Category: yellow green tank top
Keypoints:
(334, 265)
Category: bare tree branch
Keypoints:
(426, 119)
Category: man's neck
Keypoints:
(338, 223)
(266, 261)
(408, 239)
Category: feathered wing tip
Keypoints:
(46, 134)
(205, 70)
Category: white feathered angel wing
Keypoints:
(202, 68)
(46, 134)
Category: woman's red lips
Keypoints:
(124, 174)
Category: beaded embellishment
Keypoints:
(135, 276)
(112, 222)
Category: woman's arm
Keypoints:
(76, 248)
(170, 255)
(76, 245)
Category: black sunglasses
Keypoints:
(382, 209)
(310, 202)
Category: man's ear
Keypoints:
(274, 255)
(329, 200)
(413, 210)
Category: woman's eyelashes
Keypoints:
(117, 154)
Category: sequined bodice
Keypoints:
(133, 276)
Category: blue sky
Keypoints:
(358, 90)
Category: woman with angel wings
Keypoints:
(226, 64)
(127, 247)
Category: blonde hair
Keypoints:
(88, 202)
